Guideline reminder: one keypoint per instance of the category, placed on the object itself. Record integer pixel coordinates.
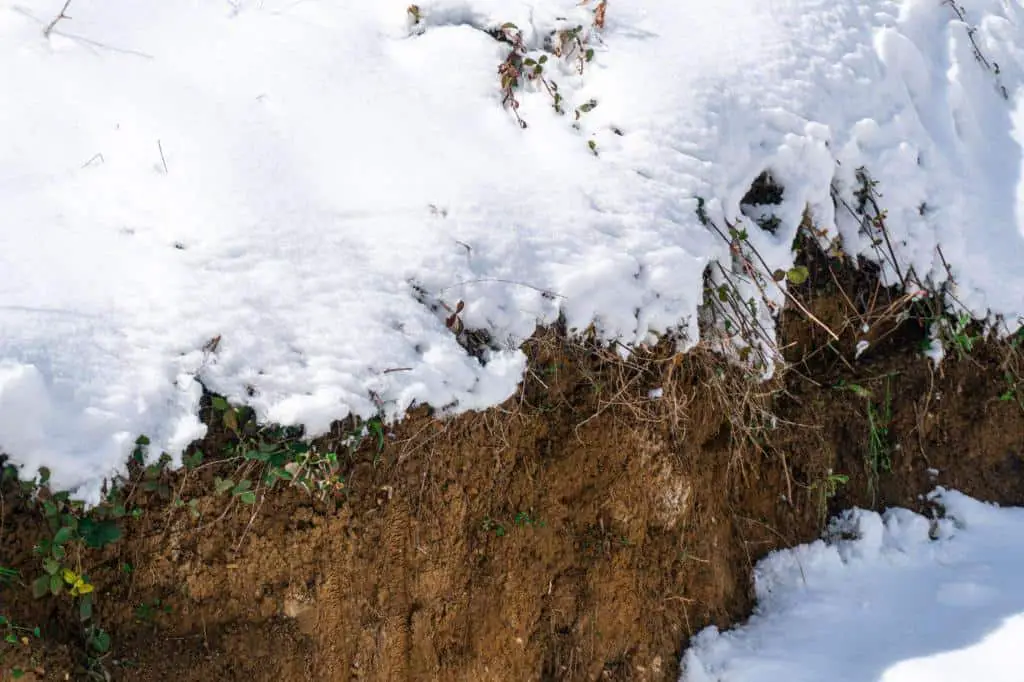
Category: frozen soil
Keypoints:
(583, 530)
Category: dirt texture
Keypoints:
(583, 530)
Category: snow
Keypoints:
(309, 181)
(894, 598)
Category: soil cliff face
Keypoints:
(584, 530)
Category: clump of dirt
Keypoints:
(583, 530)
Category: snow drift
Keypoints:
(893, 598)
(313, 183)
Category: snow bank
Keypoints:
(309, 182)
(901, 599)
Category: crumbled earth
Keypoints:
(583, 530)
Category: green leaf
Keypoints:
(56, 584)
(44, 475)
(99, 534)
(100, 642)
(222, 485)
(17, 673)
(219, 404)
(62, 536)
(529, 62)
(51, 566)
(377, 429)
(142, 440)
(243, 485)
(248, 497)
(508, 25)
(798, 275)
(257, 455)
(589, 54)
(193, 460)
(85, 608)
(58, 552)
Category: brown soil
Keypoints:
(581, 531)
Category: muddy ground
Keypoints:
(584, 530)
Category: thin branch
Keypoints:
(161, 148)
(49, 27)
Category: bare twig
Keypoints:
(163, 160)
(50, 26)
(95, 157)
(483, 280)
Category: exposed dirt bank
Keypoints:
(583, 530)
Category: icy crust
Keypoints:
(319, 184)
(895, 597)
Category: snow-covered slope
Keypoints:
(902, 599)
(305, 180)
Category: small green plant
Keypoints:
(957, 333)
(73, 532)
(878, 458)
(16, 634)
(70, 534)
(491, 525)
(518, 68)
(522, 66)
(833, 482)
(880, 448)
(148, 611)
(1014, 392)
(829, 487)
(272, 455)
(525, 519)
(856, 389)
(97, 645)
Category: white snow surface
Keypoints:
(281, 173)
(901, 599)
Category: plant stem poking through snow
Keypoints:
(725, 302)
(49, 27)
(972, 31)
(163, 159)
(564, 44)
(510, 70)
